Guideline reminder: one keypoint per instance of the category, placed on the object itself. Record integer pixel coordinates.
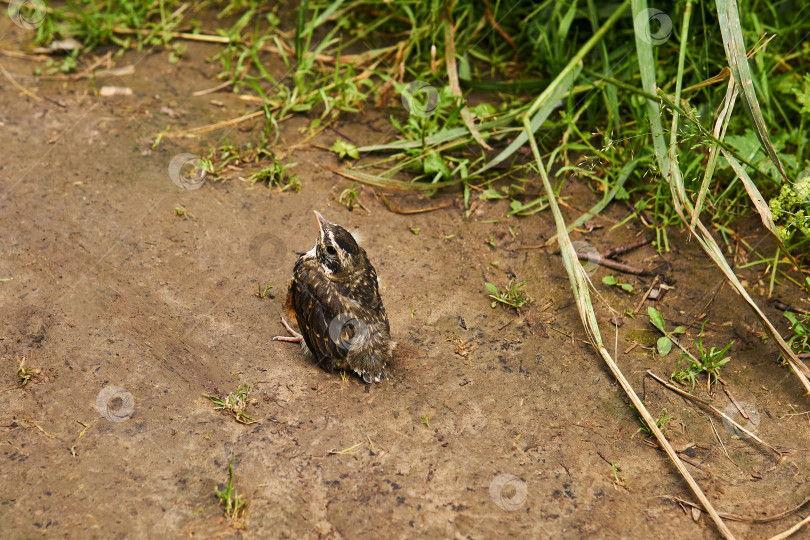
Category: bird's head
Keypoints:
(337, 251)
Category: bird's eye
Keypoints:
(331, 251)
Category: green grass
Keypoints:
(660, 422)
(708, 360)
(233, 504)
(336, 57)
(348, 197)
(24, 374)
(513, 296)
(262, 291)
(799, 340)
(235, 402)
(612, 281)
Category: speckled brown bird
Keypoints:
(335, 299)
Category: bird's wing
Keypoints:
(319, 316)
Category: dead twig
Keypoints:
(213, 127)
(618, 250)
(734, 401)
(781, 306)
(23, 56)
(646, 294)
(791, 530)
(716, 411)
(741, 519)
(206, 38)
(722, 445)
(599, 259)
(39, 428)
(217, 88)
(19, 87)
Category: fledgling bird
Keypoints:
(334, 298)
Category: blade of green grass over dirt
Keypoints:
(668, 162)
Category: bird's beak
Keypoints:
(321, 221)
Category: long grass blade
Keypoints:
(760, 204)
(303, 9)
(731, 30)
(720, 127)
(624, 174)
(390, 183)
(560, 86)
(668, 163)
(704, 237)
(547, 101)
(443, 136)
(452, 77)
(579, 285)
(646, 64)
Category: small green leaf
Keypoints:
(415, 230)
(491, 193)
(679, 330)
(627, 287)
(664, 345)
(656, 318)
(792, 318)
(492, 288)
(434, 163)
(483, 109)
(609, 280)
(343, 149)
(803, 97)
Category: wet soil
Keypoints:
(492, 423)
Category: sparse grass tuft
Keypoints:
(348, 197)
(660, 422)
(513, 296)
(800, 328)
(232, 503)
(235, 403)
(708, 360)
(275, 174)
(262, 292)
(23, 374)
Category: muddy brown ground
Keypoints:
(112, 288)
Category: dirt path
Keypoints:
(111, 288)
